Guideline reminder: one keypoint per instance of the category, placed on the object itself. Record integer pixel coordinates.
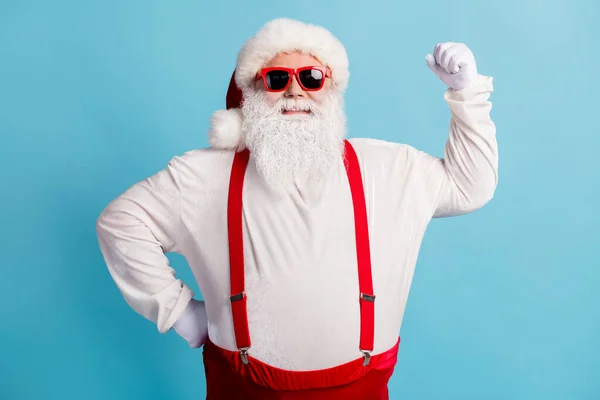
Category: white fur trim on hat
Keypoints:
(226, 129)
(285, 35)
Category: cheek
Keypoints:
(316, 96)
(319, 95)
(273, 97)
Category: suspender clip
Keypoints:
(244, 355)
(367, 357)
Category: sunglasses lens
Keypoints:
(311, 78)
(277, 80)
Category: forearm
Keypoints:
(470, 163)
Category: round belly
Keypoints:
(305, 323)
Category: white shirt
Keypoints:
(300, 257)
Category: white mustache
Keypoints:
(296, 105)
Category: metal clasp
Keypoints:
(237, 297)
(367, 357)
(244, 355)
(368, 297)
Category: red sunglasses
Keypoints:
(278, 79)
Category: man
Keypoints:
(303, 243)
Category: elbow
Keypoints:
(114, 216)
(101, 222)
(481, 188)
(461, 200)
(104, 232)
(476, 194)
(482, 199)
(481, 194)
(109, 221)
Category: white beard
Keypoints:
(293, 149)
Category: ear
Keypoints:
(226, 129)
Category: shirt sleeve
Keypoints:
(134, 232)
(466, 178)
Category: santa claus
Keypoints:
(303, 242)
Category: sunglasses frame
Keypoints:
(293, 72)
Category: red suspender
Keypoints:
(363, 253)
(236, 253)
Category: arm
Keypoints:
(466, 178)
(134, 232)
(469, 169)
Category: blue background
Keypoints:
(95, 96)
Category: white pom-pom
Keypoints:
(226, 129)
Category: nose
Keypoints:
(294, 90)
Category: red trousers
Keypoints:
(228, 378)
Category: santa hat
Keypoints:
(278, 36)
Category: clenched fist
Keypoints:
(454, 64)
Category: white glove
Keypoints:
(454, 64)
(192, 325)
